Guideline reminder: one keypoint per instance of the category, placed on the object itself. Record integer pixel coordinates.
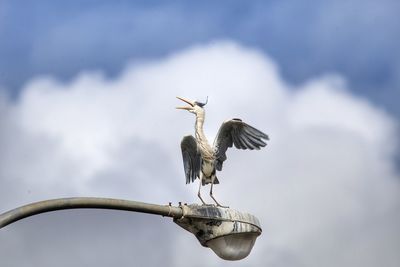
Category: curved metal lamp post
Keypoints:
(230, 234)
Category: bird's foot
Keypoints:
(215, 205)
(209, 205)
(204, 203)
(216, 202)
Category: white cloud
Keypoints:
(326, 188)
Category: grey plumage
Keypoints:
(241, 135)
(200, 160)
(191, 158)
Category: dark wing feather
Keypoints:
(241, 135)
(191, 158)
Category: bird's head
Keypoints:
(194, 107)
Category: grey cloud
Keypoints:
(354, 38)
(142, 170)
(89, 238)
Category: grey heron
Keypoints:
(201, 160)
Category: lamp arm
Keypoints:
(87, 203)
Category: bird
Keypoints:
(201, 160)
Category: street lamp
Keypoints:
(229, 233)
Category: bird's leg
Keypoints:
(198, 193)
(211, 193)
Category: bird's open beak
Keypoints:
(186, 101)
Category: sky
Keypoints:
(355, 38)
(87, 108)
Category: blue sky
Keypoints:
(87, 108)
(357, 39)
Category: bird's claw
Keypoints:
(215, 205)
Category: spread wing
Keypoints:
(236, 132)
(191, 158)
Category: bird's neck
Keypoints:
(201, 138)
(199, 127)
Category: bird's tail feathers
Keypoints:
(208, 181)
